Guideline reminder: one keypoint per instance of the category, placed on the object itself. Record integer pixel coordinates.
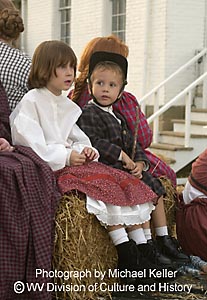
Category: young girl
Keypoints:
(109, 133)
(46, 121)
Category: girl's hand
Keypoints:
(90, 154)
(137, 171)
(77, 159)
(5, 146)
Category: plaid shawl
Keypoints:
(28, 199)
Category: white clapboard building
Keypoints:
(164, 36)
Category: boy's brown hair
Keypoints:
(114, 61)
(108, 65)
(47, 57)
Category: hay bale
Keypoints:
(169, 203)
(81, 243)
(84, 246)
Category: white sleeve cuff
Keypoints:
(67, 163)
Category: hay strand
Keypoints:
(169, 203)
(82, 245)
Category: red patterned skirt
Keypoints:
(104, 183)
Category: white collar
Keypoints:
(105, 108)
(108, 109)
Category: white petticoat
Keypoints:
(109, 214)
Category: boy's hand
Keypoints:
(127, 162)
(137, 171)
(90, 154)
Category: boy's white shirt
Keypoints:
(47, 124)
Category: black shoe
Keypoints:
(128, 259)
(136, 257)
(169, 246)
(155, 270)
(128, 256)
(157, 257)
(132, 258)
(148, 257)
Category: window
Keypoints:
(119, 18)
(65, 18)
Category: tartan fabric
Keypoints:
(106, 135)
(159, 168)
(4, 115)
(28, 199)
(14, 71)
(126, 106)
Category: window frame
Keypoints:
(120, 29)
(65, 33)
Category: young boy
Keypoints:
(109, 134)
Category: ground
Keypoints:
(198, 290)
